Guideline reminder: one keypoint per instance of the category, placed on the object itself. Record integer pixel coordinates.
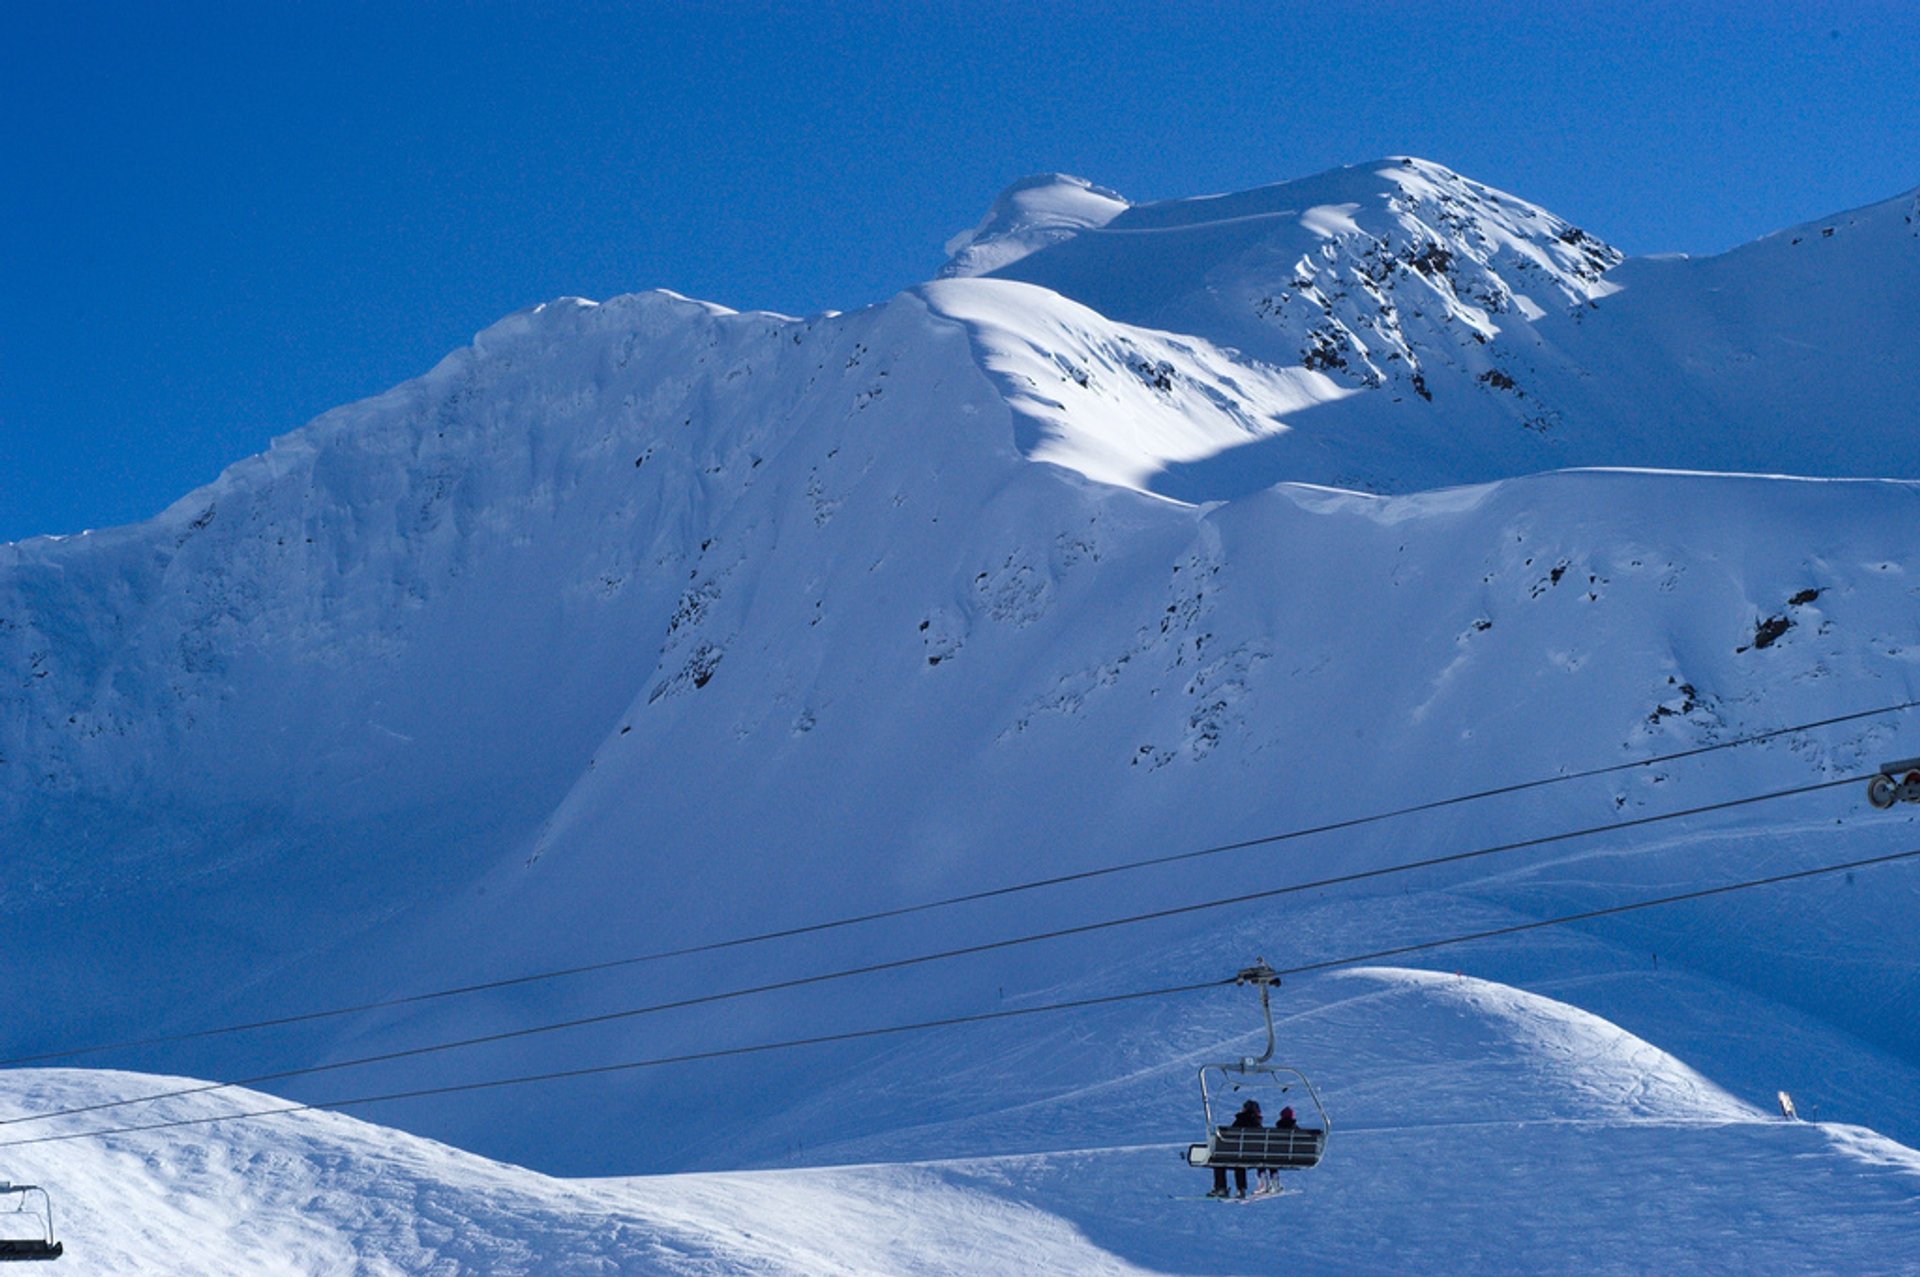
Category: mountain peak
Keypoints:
(1366, 273)
(1030, 214)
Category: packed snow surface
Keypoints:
(1144, 529)
(1500, 1127)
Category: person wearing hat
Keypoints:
(1268, 1177)
(1248, 1116)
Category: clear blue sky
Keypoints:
(220, 220)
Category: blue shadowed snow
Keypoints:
(643, 623)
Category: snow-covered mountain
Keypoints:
(1143, 528)
(1395, 327)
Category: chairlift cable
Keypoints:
(1606, 912)
(691, 1057)
(953, 1021)
(795, 982)
(971, 897)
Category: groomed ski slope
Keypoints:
(1490, 1127)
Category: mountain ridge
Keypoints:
(635, 619)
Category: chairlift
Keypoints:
(1895, 782)
(41, 1245)
(1258, 1148)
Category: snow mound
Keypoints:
(1495, 1127)
(318, 1192)
(1524, 1055)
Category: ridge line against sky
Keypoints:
(223, 221)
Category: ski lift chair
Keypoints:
(41, 1246)
(1258, 1148)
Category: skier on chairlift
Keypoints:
(1248, 1116)
(1268, 1177)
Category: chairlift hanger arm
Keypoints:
(1263, 977)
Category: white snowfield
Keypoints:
(1592, 1151)
(1144, 529)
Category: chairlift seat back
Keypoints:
(1260, 1149)
(19, 1248)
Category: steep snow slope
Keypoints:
(644, 623)
(362, 668)
(1797, 343)
(1566, 621)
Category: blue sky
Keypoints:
(220, 220)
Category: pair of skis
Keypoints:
(1256, 1195)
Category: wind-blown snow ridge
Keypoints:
(1029, 215)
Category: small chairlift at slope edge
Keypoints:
(39, 1246)
(1258, 1148)
(1895, 782)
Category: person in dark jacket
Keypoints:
(1248, 1116)
(1286, 1122)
